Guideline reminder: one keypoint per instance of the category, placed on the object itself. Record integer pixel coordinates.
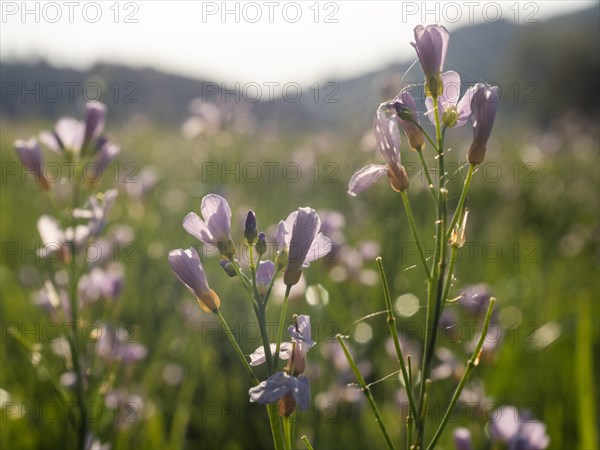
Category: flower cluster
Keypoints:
(300, 242)
(289, 387)
(76, 282)
(445, 109)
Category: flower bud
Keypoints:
(250, 233)
(228, 268)
(261, 244)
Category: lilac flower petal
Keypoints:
(303, 234)
(365, 177)
(483, 107)
(69, 133)
(105, 156)
(301, 391)
(532, 436)
(448, 99)
(303, 335)
(431, 44)
(403, 103)
(504, 424)
(451, 94)
(30, 155)
(50, 231)
(320, 247)
(95, 115)
(284, 230)
(217, 215)
(462, 439)
(130, 353)
(194, 225)
(49, 140)
(258, 357)
(463, 108)
(186, 266)
(270, 390)
(264, 273)
(387, 136)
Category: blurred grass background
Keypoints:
(533, 230)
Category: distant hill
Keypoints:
(542, 70)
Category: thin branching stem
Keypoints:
(473, 361)
(391, 320)
(366, 391)
(415, 232)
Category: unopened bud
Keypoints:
(250, 233)
(261, 244)
(228, 268)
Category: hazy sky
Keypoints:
(262, 41)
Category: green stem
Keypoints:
(433, 144)
(260, 314)
(236, 347)
(268, 294)
(245, 283)
(307, 443)
(281, 325)
(434, 289)
(428, 175)
(410, 417)
(451, 262)
(458, 214)
(415, 232)
(275, 422)
(366, 391)
(74, 338)
(287, 432)
(473, 361)
(391, 320)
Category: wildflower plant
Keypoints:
(446, 110)
(300, 242)
(80, 290)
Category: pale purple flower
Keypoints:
(30, 155)
(517, 429)
(104, 157)
(431, 44)
(215, 229)
(143, 184)
(279, 385)
(100, 283)
(483, 107)
(298, 237)
(95, 115)
(56, 240)
(406, 109)
(72, 135)
(97, 212)
(452, 112)
(462, 439)
(448, 366)
(112, 345)
(264, 274)
(258, 356)
(387, 136)
(476, 298)
(301, 334)
(186, 266)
